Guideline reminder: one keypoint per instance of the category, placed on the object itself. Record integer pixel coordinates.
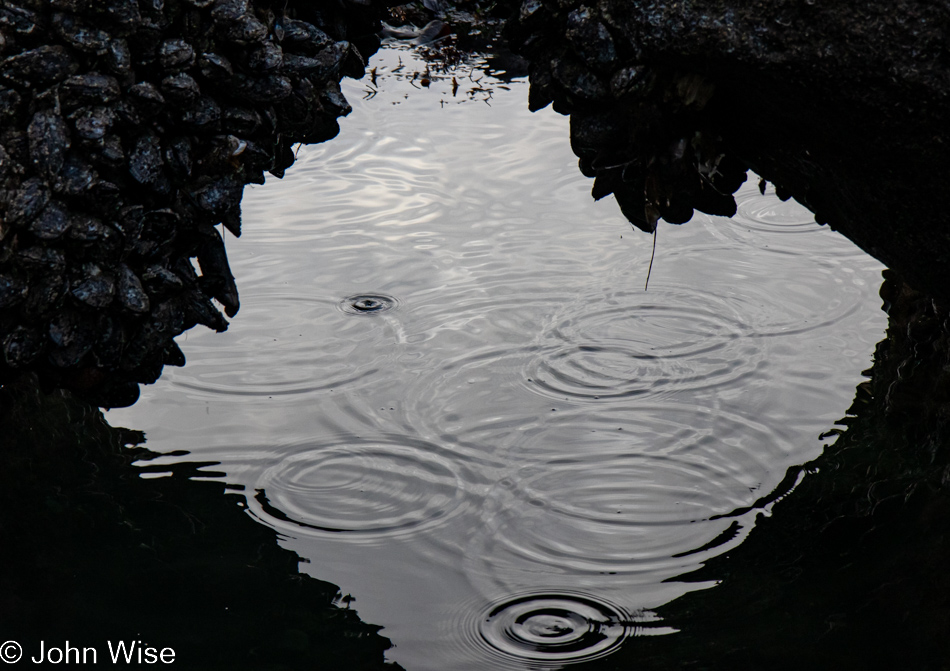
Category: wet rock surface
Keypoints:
(128, 130)
(842, 106)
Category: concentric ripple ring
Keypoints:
(365, 304)
(359, 488)
(552, 629)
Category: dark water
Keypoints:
(448, 390)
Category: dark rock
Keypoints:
(215, 67)
(71, 336)
(219, 196)
(89, 89)
(12, 290)
(28, 202)
(181, 88)
(204, 114)
(49, 141)
(131, 294)
(178, 157)
(227, 11)
(304, 37)
(52, 222)
(91, 232)
(122, 141)
(216, 278)
(145, 161)
(23, 346)
(160, 281)
(119, 57)
(42, 259)
(76, 177)
(267, 88)
(241, 121)
(92, 123)
(94, 288)
(39, 67)
(268, 56)
(244, 31)
(176, 53)
(45, 296)
(80, 35)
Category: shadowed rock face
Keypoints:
(128, 130)
(96, 551)
(849, 567)
(842, 106)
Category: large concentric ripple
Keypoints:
(359, 488)
(626, 344)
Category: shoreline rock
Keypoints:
(129, 130)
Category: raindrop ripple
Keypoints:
(359, 488)
(541, 629)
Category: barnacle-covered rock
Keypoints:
(176, 53)
(45, 296)
(215, 67)
(303, 37)
(216, 276)
(131, 294)
(76, 177)
(92, 123)
(146, 98)
(94, 287)
(39, 67)
(29, 201)
(203, 114)
(71, 335)
(12, 290)
(118, 56)
(241, 121)
(52, 222)
(263, 89)
(89, 89)
(81, 35)
(49, 141)
(145, 161)
(181, 88)
(128, 129)
(22, 346)
(267, 56)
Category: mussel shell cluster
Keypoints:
(636, 125)
(128, 129)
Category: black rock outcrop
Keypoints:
(128, 129)
(842, 106)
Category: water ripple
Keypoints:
(313, 347)
(391, 486)
(363, 304)
(630, 343)
(539, 629)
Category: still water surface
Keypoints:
(449, 392)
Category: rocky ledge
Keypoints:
(128, 129)
(843, 106)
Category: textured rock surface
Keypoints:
(842, 105)
(128, 129)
